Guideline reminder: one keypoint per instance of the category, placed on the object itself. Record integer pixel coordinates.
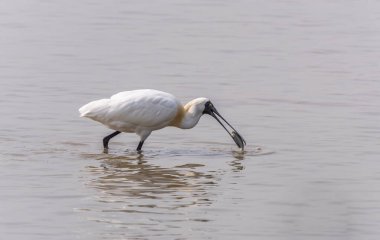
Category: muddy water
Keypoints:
(299, 80)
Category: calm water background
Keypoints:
(299, 79)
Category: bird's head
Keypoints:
(190, 114)
(209, 108)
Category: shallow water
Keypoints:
(299, 80)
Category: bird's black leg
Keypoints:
(107, 139)
(140, 146)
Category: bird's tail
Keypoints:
(95, 110)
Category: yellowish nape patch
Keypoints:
(181, 112)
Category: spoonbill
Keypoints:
(146, 110)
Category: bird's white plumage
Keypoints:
(146, 110)
(139, 111)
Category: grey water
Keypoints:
(298, 79)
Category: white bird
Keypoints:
(146, 110)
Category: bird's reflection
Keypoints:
(133, 176)
(236, 163)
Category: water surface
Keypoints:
(299, 80)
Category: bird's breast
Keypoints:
(177, 120)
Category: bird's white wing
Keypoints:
(142, 108)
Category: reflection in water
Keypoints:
(132, 177)
(239, 155)
(158, 192)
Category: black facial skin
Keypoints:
(208, 107)
(211, 110)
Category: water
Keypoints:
(298, 79)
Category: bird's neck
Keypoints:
(186, 117)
